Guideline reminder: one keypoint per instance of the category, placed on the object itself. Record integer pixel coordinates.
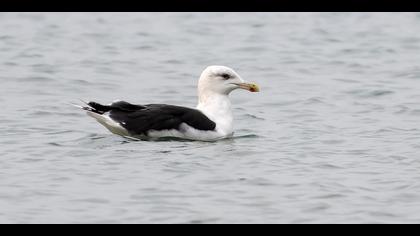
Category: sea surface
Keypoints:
(333, 136)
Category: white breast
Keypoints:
(218, 109)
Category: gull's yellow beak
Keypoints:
(252, 87)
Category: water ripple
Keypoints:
(333, 137)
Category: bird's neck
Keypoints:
(217, 107)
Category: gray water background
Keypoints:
(333, 136)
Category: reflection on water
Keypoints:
(332, 138)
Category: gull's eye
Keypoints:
(225, 76)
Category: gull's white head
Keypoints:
(222, 80)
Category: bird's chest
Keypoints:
(224, 121)
(219, 111)
(224, 126)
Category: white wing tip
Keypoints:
(87, 103)
(75, 105)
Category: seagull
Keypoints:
(211, 120)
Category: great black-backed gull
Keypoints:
(211, 120)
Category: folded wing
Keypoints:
(139, 119)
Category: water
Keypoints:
(333, 137)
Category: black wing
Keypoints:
(138, 119)
(120, 105)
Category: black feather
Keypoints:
(139, 119)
